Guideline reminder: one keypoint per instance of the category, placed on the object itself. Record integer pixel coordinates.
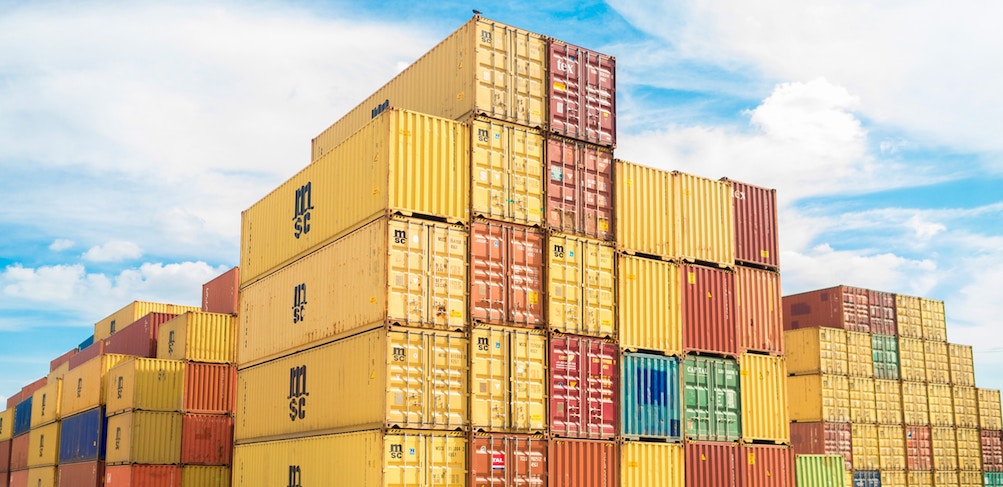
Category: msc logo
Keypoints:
(43, 404)
(118, 437)
(382, 107)
(41, 445)
(400, 237)
(299, 302)
(297, 393)
(399, 354)
(295, 476)
(559, 251)
(482, 344)
(482, 135)
(119, 386)
(303, 205)
(396, 451)
(170, 343)
(80, 386)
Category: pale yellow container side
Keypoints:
(859, 355)
(942, 478)
(60, 371)
(146, 384)
(969, 442)
(649, 305)
(895, 478)
(888, 401)
(83, 387)
(864, 442)
(484, 67)
(933, 320)
(43, 476)
(945, 448)
(203, 476)
(863, 407)
(581, 286)
(912, 359)
(919, 478)
(940, 401)
(915, 409)
(507, 171)
(147, 437)
(968, 478)
(7, 424)
(816, 351)
(706, 223)
(43, 445)
(819, 398)
(400, 162)
(936, 360)
(891, 446)
(644, 464)
(508, 379)
(644, 219)
(45, 403)
(907, 316)
(764, 398)
(989, 409)
(966, 406)
(199, 337)
(961, 364)
(132, 312)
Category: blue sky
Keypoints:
(132, 134)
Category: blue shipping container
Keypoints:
(650, 397)
(22, 417)
(866, 478)
(81, 437)
(86, 343)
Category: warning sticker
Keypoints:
(497, 461)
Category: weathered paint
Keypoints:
(757, 311)
(711, 392)
(764, 400)
(508, 379)
(649, 306)
(819, 350)
(584, 387)
(650, 400)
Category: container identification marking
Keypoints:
(302, 207)
(297, 393)
(299, 303)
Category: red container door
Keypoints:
(882, 320)
(508, 460)
(209, 388)
(766, 466)
(756, 234)
(579, 188)
(708, 310)
(206, 439)
(86, 474)
(919, 448)
(506, 281)
(583, 463)
(220, 295)
(584, 387)
(143, 475)
(582, 94)
(757, 311)
(992, 451)
(711, 464)
(823, 439)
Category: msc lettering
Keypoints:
(303, 205)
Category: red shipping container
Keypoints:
(883, 317)
(19, 452)
(992, 450)
(766, 466)
(95, 349)
(919, 448)
(711, 464)
(506, 274)
(221, 294)
(209, 388)
(26, 392)
(757, 311)
(85, 474)
(579, 188)
(583, 463)
(507, 459)
(756, 234)
(582, 94)
(206, 439)
(142, 476)
(708, 310)
(4, 479)
(823, 439)
(584, 387)
(836, 307)
(5, 456)
(19, 478)
(138, 338)
(62, 359)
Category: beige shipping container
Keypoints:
(863, 407)
(939, 400)
(888, 401)
(199, 337)
(931, 312)
(918, 478)
(907, 316)
(891, 446)
(147, 437)
(7, 423)
(59, 371)
(581, 286)
(912, 361)
(866, 449)
(936, 360)
(484, 67)
(132, 312)
(961, 363)
(859, 356)
(507, 172)
(945, 478)
(649, 305)
(83, 387)
(764, 399)
(945, 448)
(43, 445)
(396, 270)
(43, 477)
(989, 409)
(894, 478)
(205, 476)
(819, 398)
(508, 379)
(45, 403)
(646, 464)
(966, 406)
(915, 409)
(816, 351)
(146, 384)
(365, 458)
(414, 164)
(404, 378)
(969, 442)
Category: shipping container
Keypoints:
(581, 285)
(882, 306)
(484, 67)
(131, 312)
(4, 456)
(969, 448)
(961, 364)
(507, 459)
(867, 478)
(209, 388)
(83, 387)
(19, 452)
(712, 464)
(584, 387)
(649, 305)
(708, 315)
(766, 466)
(866, 453)
(139, 338)
(711, 394)
(82, 437)
(650, 403)
(85, 474)
(912, 362)
(579, 188)
(945, 478)
(992, 450)
(819, 398)
(370, 458)
(148, 437)
(818, 350)
(146, 384)
(894, 478)
(823, 439)
(945, 448)
(989, 409)
(404, 271)
(506, 274)
(863, 408)
(940, 403)
(85, 355)
(406, 378)
(936, 360)
(43, 446)
(891, 446)
(994, 479)
(915, 408)
(967, 478)
(6, 424)
(757, 311)
(582, 93)
(143, 476)
(931, 313)
(651, 464)
(22, 416)
(45, 403)
(206, 439)
(220, 295)
(15, 479)
(199, 337)
(819, 471)
(756, 234)
(583, 463)
(764, 399)
(888, 401)
(86, 343)
(919, 448)
(907, 316)
(43, 476)
(885, 351)
(507, 168)
(859, 356)
(59, 373)
(508, 379)
(61, 360)
(204, 476)
(842, 307)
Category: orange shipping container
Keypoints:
(823, 439)
(582, 93)
(841, 307)
(708, 314)
(919, 449)
(506, 274)
(712, 463)
(506, 459)
(757, 311)
(209, 388)
(206, 439)
(766, 466)
(142, 475)
(220, 294)
(882, 306)
(583, 463)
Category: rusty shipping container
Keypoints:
(147, 437)
(989, 409)
(841, 307)
(764, 400)
(918, 447)
(581, 93)
(84, 474)
(936, 360)
(583, 463)
(992, 450)
(145, 384)
(940, 403)
(507, 459)
(205, 476)
(581, 286)
(579, 188)
(508, 379)
(907, 316)
(819, 398)
(756, 234)
(912, 360)
(757, 311)
(199, 337)
(708, 315)
(859, 355)
(649, 305)
(43, 446)
(405, 271)
(888, 401)
(84, 386)
(206, 439)
(819, 471)
(209, 388)
(891, 446)
(4, 456)
(766, 465)
(650, 397)
(866, 453)
(885, 351)
(651, 464)
(712, 464)
(507, 171)
(817, 350)
(45, 403)
(882, 305)
(220, 295)
(961, 364)
(931, 314)
(712, 398)
(969, 447)
(138, 338)
(862, 400)
(584, 387)
(915, 408)
(506, 274)
(129, 314)
(19, 452)
(945, 448)
(142, 475)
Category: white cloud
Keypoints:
(925, 230)
(822, 266)
(61, 244)
(115, 251)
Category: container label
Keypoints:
(497, 461)
(295, 476)
(302, 207)
(299, 302)
(297, 393)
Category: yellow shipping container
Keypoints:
(199, 337)
(863, 408)
(894, 478)
(931, 312)
(413, 164)
(945, 448)
(132, 312)
(764, 398)
(202, 476)
(644, 464)
(146, 384)
(962, 367)
(403, 271)
(649, 305)
(936, 360)
(7, 424)
(484, 67)
(866, 450)
(918, 478)
(59, 371)
(43, 476)
(43, 445)
(891, 446)
(148, 437)
(966, 406)
(941, 405)
(404, 378)
(507, 170)
(907, 317)
(859, 355)
(969, 448)
(967, 478)
(945, 478)
(508, 379)
(816, 351)
(912, 363)
(989, 409)
(915, 409)
(581, 285)
(371, 458)
(888, 401)
(819, 398)
(83, 387)
(45, 403)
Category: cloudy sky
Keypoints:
(132, 134)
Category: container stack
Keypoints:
(18, 435)
(6, 418)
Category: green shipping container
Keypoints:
(819, 471)
(713, 405)
(886, 356)
(993, 479)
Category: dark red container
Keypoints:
(766, 465)
(506, 274)
(507, 459)
(19, 479)
(823, 439)
(142, 476)
(81, 357)
(86, 474)
(883, 318)
(138, 338)
(221, 294)
(582, 94)
(26, 392)
(584, 387)
(583, 463)
(708, 310)
(5, 456)
(19, 452)
(836, 307)
(756, 236)
(209, 388)
(712, 464)
(758, 320)
(918, 448)
(5, 479)
(992, 450)
(206, 439)
(62, 359)
(579, 188)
